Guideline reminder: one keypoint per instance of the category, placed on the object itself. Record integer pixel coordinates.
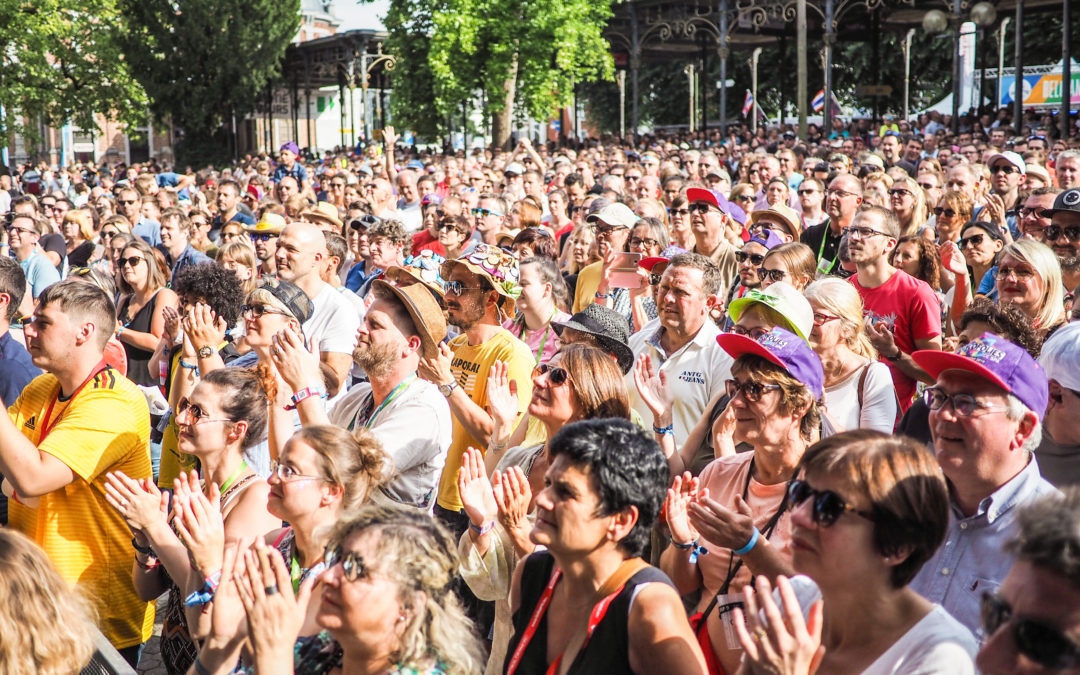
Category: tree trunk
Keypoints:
(502, 120)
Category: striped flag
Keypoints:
(818, 104)
(748, 102)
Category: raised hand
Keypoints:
(503, 401)
(203, 327)
(723, 431)
(139, 502)
(201, 526)
(680, 495)
(730, 528)
(513, 498)
(653, 390)
(274, 614)
(952, 258)
(477, 495)
(783, 643)
(297, 365)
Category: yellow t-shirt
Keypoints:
(588, 281)
(173, 462)
(470, 365)
(105, 427)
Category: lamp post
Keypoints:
(935, 21)
(365, 72)
(907, 69)
(753, 86)
(689, 70)
(621, 77)
(1001, 59)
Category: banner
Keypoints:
(1041, 90)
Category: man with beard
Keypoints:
(408, 415)
(264, 236)
(1063, 235)
(481, 288)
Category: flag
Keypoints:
(748, 102)
(818, 104)
(761, 113)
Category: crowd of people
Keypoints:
(762, 406)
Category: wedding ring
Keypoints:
(271, 590)
(760, 633)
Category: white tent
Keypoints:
(944, 106)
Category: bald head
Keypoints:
(301, 249)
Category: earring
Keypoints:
(888, 559)
(401, 618)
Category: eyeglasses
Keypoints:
(459, 288)
(807, 192)
(899, 192)
(130, 262)
(607, 230)
(647, 243)
(21, 230)
(1054, 232)
(126, 202)
(744, 198)
(1024, 212)
(484, 213)
(258, 310)
(699, 207)
(973, 240)
(752, 333)
(751, 391)
(1021, 273)
(630, 178)
(352, 563)
(445, 227)
(556, 375)
(286, 473)
(678, 212)
(1044, 644)
(185, 408)
(862, 232)
(1004, 168)
(821, 319)
(265, 236)
(928, 186)
(772, 275)
(827, 506)
(836, 192)
(948, 213)
(963, 405)
(755, 258)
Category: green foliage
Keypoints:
(62, 63)
(202, 61)
(412, 102)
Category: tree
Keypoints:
(62, 63)
(204, 61)
(412, 100)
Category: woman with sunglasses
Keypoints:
(454, 231)
(679, 216)
(980, 243)
(140, 314)
(951, 212)
(224, 415)
(793, 262)
(867, 511)
(578, 383)
(735, 510)
(908, 201)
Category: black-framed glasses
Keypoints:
(556, 375)
(808, 191)
(263, 236)
(699, 207)
(948, 213)
(286, 473)
(123, 202)
(743, 198)
(21, 230)
(751, 391)
(899, 192)
(446, 227)
(752, 333)
(647, 243)
(258, 310)
(827, 506)
(130, 262)
(1042, 643)
(755, 258)
(928, 186)
(1024, 212)
(1054, 232)
(192, 411)
(352, 563)
(854, 232)
(772, 275)
(459, 288)
(973, 240)
(605, 230)
(678, 212)
(964, 405)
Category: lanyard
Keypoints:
(45, 426)
(229, 481)
(394, 393)
(595, 617)
(821, 250)
(543, 340)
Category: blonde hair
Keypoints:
(1045, 261)
(84, 220)
(48, 625)
(240, 251)
(420, 554)
(843, 300)
(354, 460)
(919, 212)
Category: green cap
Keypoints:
(785, 299)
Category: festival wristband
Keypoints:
(205, 594)
(695, 548)
(488, 526)
(305, 393)
(189, 366)
(669, 430)
(750, 544)
(145, 550)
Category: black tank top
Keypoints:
(139, 359)
(608, 649)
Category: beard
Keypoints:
(468, 314)
(376, 360)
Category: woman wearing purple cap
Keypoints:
(736, 509)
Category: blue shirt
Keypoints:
(987, 286)
(190, 256)
(357, 278)
(298, 172)
(16, 368)
(149, 230)
(39, 272)
(972, 558)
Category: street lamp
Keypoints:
(936, 21)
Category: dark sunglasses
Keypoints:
(1024, 212)
(700, 207)
(938, 211)
(458, 288)
(973, 240)
(1043, 644)
(125, 202)
(1054, 232)
(773, 275)
(678, 212)
(755, 258)
(556, 375)
(828, 506)
(262, 237)
(258, 310)
(132, 261)
(446, 227)
(899, 192)
(352, 563)
(751, 391)
(1004, 168)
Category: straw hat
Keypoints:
(426, 315)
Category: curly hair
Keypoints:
(48, 625)
(929, 263)
(420, 554)
(216, 286)
(1007, 321)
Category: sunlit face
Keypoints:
(365, 611)
(550, 402)
(1019, 283)
(566, 511)
(907, 258)
(203, 427)
(242, 271)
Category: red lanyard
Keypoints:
(595, 617)
(45, 426)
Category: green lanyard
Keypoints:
(543, 340)
(821, 250)
(229, 481)
(401, 387)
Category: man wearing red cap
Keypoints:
(709, 219)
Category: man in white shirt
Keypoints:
(681, 342)
(301, 252)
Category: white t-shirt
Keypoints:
(694, 373)
(937, 645)
(333, 325)
(878, 405)
(415, 429)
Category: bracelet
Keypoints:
(669, 430)
(120, 330)
(189, 366)
(145, 550)
(497, 446)
(695, 548)
(488, 526)
(602, 296)
(147, 566)
(894, 359)
(305, 393)
(750, 544)
(205, 594)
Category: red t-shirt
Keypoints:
(911, 310)
(423, 241)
